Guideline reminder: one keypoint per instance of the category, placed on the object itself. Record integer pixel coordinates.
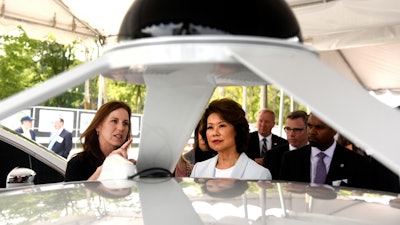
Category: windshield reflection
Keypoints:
(201, 201)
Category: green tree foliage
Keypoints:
(132, 94)
(25, 62)
(52, 59)
(234, 93)
(253, 100)
(16, 52)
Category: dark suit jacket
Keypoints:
(253, 148)
(345, 164)
(20, 130)
(273, 161)
(63, 145)
(384, 178)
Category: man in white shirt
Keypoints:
(296, 133)
(60, 139)
(265, 123)
(341, 167)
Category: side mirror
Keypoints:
(19, 177)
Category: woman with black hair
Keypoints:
(226, 130)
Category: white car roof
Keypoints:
(186, 201)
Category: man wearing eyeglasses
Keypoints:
(296, 135)
(262, 140)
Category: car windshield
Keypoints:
(180, 74)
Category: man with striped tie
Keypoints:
(262, 140)
(60, 139)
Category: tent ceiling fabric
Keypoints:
(359, 38)
(339, 24)
(375, 67)
(41, 18)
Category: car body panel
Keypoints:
(18, 151)
(188, 201)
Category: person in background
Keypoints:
(342, 140)
(384, 179)
(324, 161)
(296, 135)
(26, 128)
(183, 168)
(60, 139)
(200, 152)
(265, 123)
(226, 131)
(108, 133)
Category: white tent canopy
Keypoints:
(361, 39)
(340, 24)
(41, 18)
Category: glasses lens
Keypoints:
(295, 130)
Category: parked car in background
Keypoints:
(18, 151)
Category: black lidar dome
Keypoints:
(266, 18)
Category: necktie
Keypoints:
(320, 174)
(52, 140)
(264, 147)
